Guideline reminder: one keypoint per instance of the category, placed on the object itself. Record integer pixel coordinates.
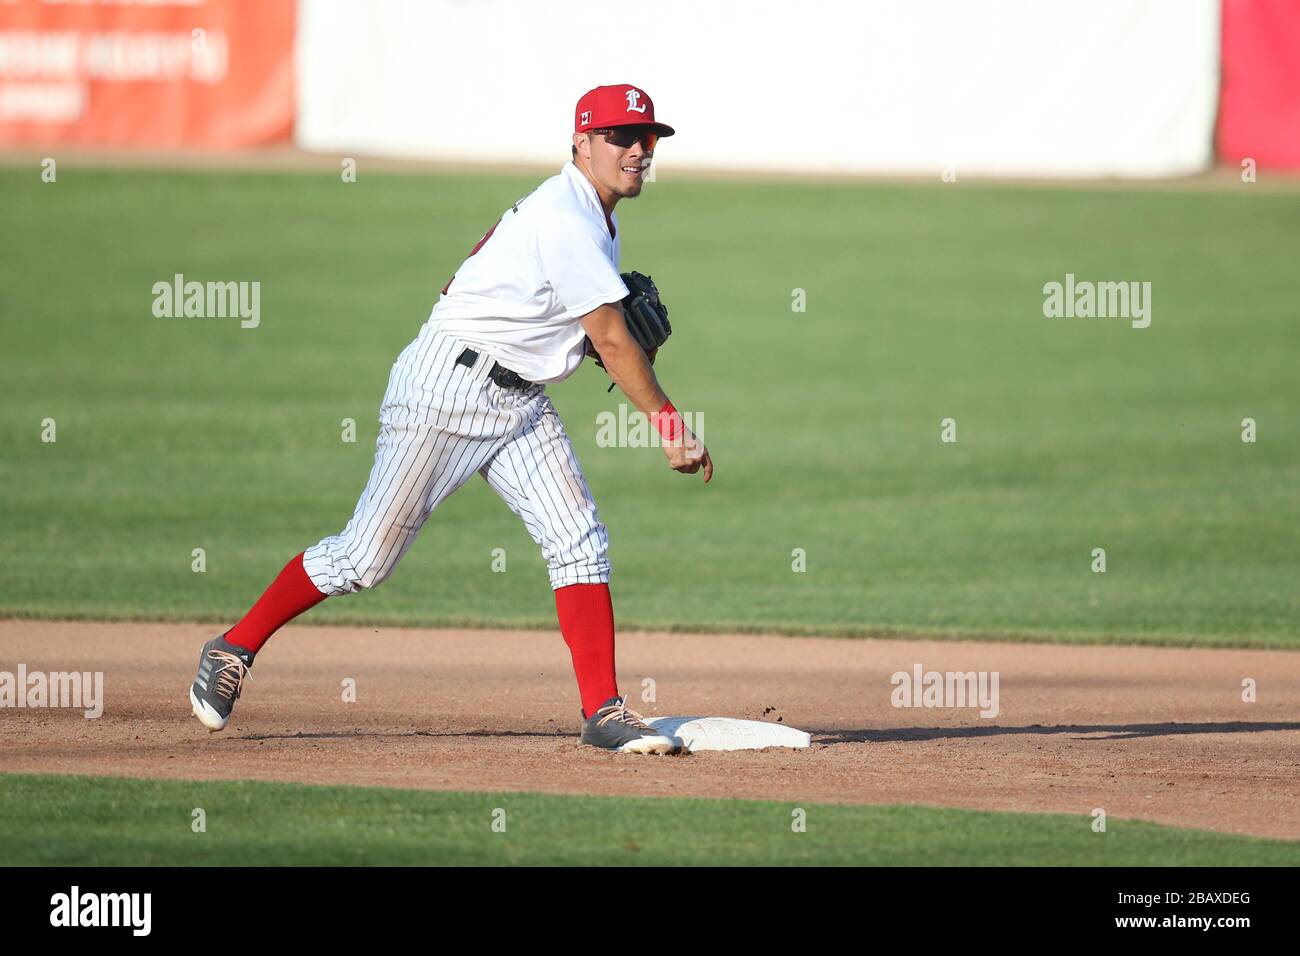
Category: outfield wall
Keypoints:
(1002, 87)
(1259, 113)
(999, 87)
(208, 74)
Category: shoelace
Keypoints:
(225, 683)
(623, 715)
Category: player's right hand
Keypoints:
(688, 455)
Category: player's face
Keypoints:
(620, 158)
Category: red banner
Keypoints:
(1259, 106)
(209, 73)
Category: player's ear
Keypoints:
(582, 145)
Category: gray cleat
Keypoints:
(222, 669)
(614, 727)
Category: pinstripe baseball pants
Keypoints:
(441, 422)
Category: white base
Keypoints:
(728, 733)
(651, 745)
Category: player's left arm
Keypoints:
(627, 363)
(629, 366)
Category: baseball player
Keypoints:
(539, 292)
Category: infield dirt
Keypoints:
(1158, 734)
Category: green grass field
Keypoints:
(97, 821)
(923, 302)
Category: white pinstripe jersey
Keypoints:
(551, 259)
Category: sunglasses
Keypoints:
(624, 136)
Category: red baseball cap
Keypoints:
(617, 105)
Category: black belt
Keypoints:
(499, 374)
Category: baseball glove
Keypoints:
(645, 314)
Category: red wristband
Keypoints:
(669, 422)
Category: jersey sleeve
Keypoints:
(572, 255)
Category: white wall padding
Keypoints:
(1004, 87)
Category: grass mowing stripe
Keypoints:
(67, 820)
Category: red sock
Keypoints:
(587, 623)
(289, 595)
